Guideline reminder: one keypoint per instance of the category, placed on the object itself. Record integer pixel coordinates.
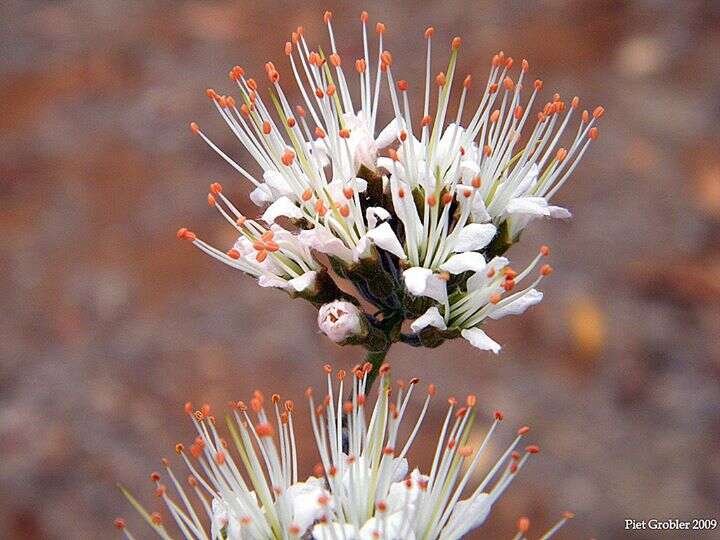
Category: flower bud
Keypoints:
(340, 320)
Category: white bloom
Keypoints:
(467, 173)
(340, 320)
(362, 489)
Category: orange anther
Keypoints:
(518, 112)
(598, 112)
(307, 195)
(380, 28)
(360, 65)
(487, 150)
(466, 451)
(525, 65)
(593, 133)
(426, 120)
(252, 85)
(568, 515)
(509, 63)
(561, 154)
(403, 136)
(335, 59)
(401, 193)
(364, 16)
(237, 73)
(532, 449)
(288, 157)
(344, 133)
(499, 415)
(264, 430)
(348, 192)
(429, 31)
(508, 84)
(261, 256)
(233, 254)
(467, 193)
(431, 200)
(386, 58)
(432, 390)
(585, 117)
(495, 115)
(538, 84)
(194, 128)
(300, 111)
(211, 199)
(495, 298)
(456, 42)
(319, 93)
(467, 82)
(266, 128)
(575, 102)
(523, 430)
(327, 16)
(185, 234)
(523, 524)
(330, 90)
(291, 122)
(493, 88)
(156, 518)
(544, 251)
(345, 210)
(440, 79)
(119, 523)
(546, 270)
(319, 132)
(402, 85)
(446, 198)
(288, 48)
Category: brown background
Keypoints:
(109, 323)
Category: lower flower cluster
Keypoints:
(248, 486)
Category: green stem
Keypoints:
(376, 358)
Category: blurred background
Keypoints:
(110, 324)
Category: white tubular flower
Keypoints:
(483, 298)
(340, 320)
(274, 255)
(247, 485)
(445, 174)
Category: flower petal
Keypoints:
(431, 317)
(469, 514)
(271, 280)
(261, 195)
(388, 134)
(535, 206)
(323, 241)
(283, 207)
(375, 214)
(305, 281)
(464, 262)
(422, 282)
(519, 305)
(559, 212)
(384, 237)
(480, 339)
(474, 236)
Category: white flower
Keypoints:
(340, 320)
(311, 153)
(362, 489)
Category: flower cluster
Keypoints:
(416, 214)
(363, 487)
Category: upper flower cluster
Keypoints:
(363, 487)
(418, 213)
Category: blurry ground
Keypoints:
(109, 324)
